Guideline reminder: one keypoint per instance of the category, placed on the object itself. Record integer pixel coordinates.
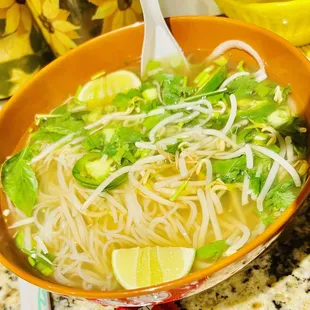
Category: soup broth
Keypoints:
(201, 159)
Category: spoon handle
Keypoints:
(158, 40)
(32, 297)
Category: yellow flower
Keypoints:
(17, 16)
(117, 13)
(53, 23)
(14, 46)
(20, 77)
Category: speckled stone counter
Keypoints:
(279, 279)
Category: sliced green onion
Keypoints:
(212, 251)
(44, 269)
(200, 96)
(221, 61)
(261, 139)
(240, 66)
(179, 191)
(279, 117)
(185, 80)
(40, 117)
(150, 94)
(152, 65)
(19, 239)
(202, 78)
(31, 261)
(176, 62)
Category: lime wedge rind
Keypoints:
(174, 262)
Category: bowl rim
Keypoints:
(270, 232)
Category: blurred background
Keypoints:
(34, 32)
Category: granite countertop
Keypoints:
(279, 279)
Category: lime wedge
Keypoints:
(102, 90)
(139, 267)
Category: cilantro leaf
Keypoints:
(280, 196)
(150, 122)
(119, 153)
(285, 92)
(229, 170)
(256, 183)
(121, 100)
(212, 251)
(242, 86)
(259, 110)
(149, 105)
(129, 134)
(95, 141)
(265, 89)
(246, 135)
(277, 200)
(172, 87)
(121, 146)
(173, 148)
(43, 135)
(63, 125)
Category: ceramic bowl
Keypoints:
(287, 18)
(109, 52)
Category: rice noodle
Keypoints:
(242, 241)
(245, 190)
(130, 117)
(249, 156)
(232, 115)
(157, 111)
(245, 150)
(159, 92)
(209, 171)
(193, 213)
(289, 149)
(41, 245)
(27, 238)
(167, 181)
(237, 44)
(270, 178)
(280, 160)
(22, 222)
(202, 110)
(114, 202)
(205, 217)
(103, 185)
(187, 118)
(213, 216)
(183, 105)
(233, 77)
(162, 124)
(145, 145)
(106, 119)
(182, 166)
(148, 192)
(51, 148)
(216, 201)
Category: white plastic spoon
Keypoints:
(32, 297)
(158, 40)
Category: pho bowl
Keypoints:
(113, 51)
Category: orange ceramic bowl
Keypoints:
(110, 52)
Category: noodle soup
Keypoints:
(166, 174)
